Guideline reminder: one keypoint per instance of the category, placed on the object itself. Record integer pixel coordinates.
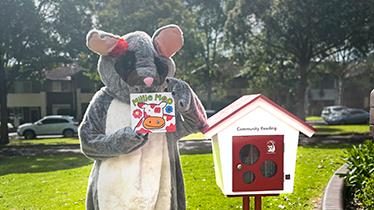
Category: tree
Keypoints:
(22, 42)
(210, 18)
(308, 31)
(34, 37)
(270, 71)
(67, 22)
(345, 65)
(202, 57)
(124, 16)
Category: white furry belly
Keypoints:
(139, 180)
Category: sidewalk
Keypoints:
(185, 147)
(333, 196)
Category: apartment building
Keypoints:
(64, 91)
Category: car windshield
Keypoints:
(39, 121)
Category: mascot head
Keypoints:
(135, 62)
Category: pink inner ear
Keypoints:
(141, 105)
(103, 43)
(168, 41)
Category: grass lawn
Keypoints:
(337, 129)
(341, 129)
(59, 182)
(194, 136)
(313, 118)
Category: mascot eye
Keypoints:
(125, 64)
(162, 67)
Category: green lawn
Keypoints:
(194, 136)
(337, 129)
(313, 118)
(341, 129)
(59, 182)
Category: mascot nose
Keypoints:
(148, 81)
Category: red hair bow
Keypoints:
(120, 48)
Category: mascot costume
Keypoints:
(131, 170)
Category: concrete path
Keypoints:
(33, 150)
(185, 147)
(333, 198)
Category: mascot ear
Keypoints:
(168, 40)
(101, 42)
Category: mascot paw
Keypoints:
(181, 93)
(128, 131)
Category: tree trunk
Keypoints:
(209, 92)
(301, 90)
(306, 100)
(4, 134)
(340, 90)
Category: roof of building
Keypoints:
(64, 72)
(216, 123)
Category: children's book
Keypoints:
(152, 112)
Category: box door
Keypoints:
(257, 163)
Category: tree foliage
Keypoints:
(35, 36)
(202, 22)
(276, 44)
(307, 31)
(22, 47)
(124, 16)
(66, 22)
(210, 59)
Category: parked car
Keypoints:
(348, 116)
(329, 111)
(49, 125)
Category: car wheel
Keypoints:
(68, 133)
(29, 134)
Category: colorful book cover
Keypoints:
(152, 112)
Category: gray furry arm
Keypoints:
(95, 144)
(190, 115)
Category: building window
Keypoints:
(60, 86)
(20, 115)
(25, 86)
(62, 109)
(65, 86)
(22, 87)
(56, 86)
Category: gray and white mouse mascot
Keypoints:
(135, 171)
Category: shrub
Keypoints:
(359, 179)
(367, 195)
